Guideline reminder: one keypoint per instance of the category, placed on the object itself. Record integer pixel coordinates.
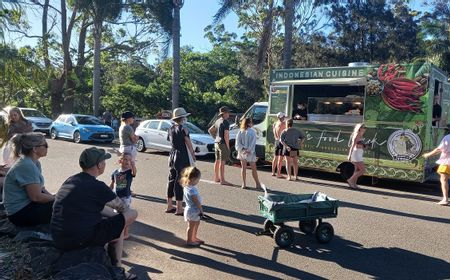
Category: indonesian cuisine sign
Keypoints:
(324, 73)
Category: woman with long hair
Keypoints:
(16, 123)
(245, 146)
(355, 154)
(25, 198)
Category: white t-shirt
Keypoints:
(188, 192)
(444, 147)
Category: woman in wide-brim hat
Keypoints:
(182, 155)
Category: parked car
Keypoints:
(81, 128)
(39, 121)
(153, 135)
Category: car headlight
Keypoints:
(86, 129)
(196, 142)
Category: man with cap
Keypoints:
(278, 127)
(221, 144)
(82, 215)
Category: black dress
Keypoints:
(178, 159)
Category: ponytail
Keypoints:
(188, 174)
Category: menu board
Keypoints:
(278, 99)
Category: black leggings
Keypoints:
(174, 187)
(33, 214)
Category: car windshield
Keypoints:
(32, 113)
(193, 129)
(88, 120)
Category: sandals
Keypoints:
(171, 210)
(130, 276)
(193, 244)
(443, 203)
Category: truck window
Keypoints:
(259, 114)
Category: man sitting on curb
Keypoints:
(82, 214)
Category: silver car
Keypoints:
(153, 135)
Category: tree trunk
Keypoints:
(45, 36)
(288, 30)
(265, 39)
(176, 53)
(98, 23)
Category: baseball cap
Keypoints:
(281, 115)
(92, 156)
(224, 109)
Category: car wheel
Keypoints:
(140, 145)
(76, 137)
(53, 134)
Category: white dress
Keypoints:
(245, 145)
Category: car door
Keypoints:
(162, 135)
(70, 126)
(149, 134)
(58, 125)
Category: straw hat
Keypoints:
(179, 113)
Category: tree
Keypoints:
(436, 33)
(177, 5)
(100, 10)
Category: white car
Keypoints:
(153, 135)
(39, 121)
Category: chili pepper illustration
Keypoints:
(403, 94)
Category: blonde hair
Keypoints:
(356, 130)
(23, 143)
(189, 174)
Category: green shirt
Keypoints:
(24, 172)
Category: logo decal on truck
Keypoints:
(404, 145)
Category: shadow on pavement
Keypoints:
(196, 256)
(378, 262)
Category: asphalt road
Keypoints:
(392, 231)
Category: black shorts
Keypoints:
(288, 153)
(33, 214)
(278, 148)
(108, 229)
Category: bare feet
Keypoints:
(243, 187)
(199, 241)
(279, 176)
(225, 183)
(442, 203)
(217, 180)
(273, 174)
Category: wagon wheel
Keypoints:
(324, 232)
(284, 236)
(308, 226)
(269, 226)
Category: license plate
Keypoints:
(103, 136)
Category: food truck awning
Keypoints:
(337, 81)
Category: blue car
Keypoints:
(81, 128)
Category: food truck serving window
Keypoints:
(331, 103)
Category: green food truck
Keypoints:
(394, 101)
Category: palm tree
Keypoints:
(100, 10)
(177, 5)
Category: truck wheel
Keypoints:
(269, 226)
(284, 236)
(308, 226)
(140, 145)
(324, 232)
(233, 155)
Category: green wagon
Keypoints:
(305, 208)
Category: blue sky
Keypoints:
(195, 16)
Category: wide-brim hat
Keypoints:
(224, 109)
(179, 113)
(92, 156)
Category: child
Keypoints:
(190, 176)
(121, 179)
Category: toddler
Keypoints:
(121, 179)
(190, 176)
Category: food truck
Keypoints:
(394, 101)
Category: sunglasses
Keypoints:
(43, 145)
